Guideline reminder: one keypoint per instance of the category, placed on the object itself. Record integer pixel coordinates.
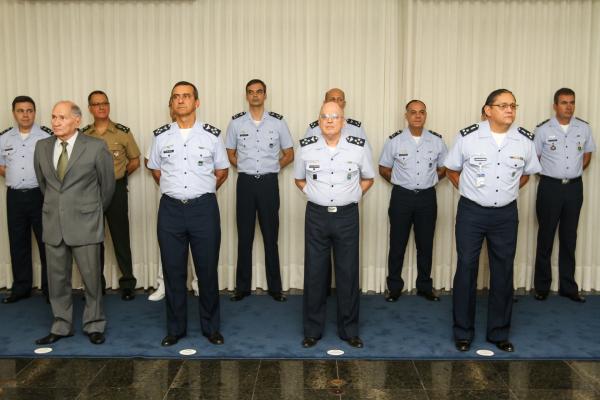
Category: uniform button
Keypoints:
(185, 145)
(184, 158)
(495, 204)
(331, 201)
(498, 150)
(498, 163)
(332, 173)
(331, 158)
(185, 187)
(417, 162)
(331, 185)
(185, 173)
(496, 190)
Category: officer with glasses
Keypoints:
(334, 172)
(488, 163)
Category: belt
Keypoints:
(185, 201)
(471, 202)
(332, 209)
(561, 181)
(257, 176)
(414, 191)
(23, 190)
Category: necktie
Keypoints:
(63, 160)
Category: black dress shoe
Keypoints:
(504, 345)
(238, 296)
(392, 297)
(309, 341)
(462, 345)
(170, 340)
(216, 338)
(13, 298)
(428, 295)
(51, 338)
(355, 341)
(96, 337)
(576, 297)
(127, 294)
(278, 296)
(541, 296)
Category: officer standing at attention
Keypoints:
(190, 163)
(351, 127)
(564, 145)
(334, 172)
(126, 158)
(413, 161)
(23, 196)
(259, 144)
(488, 163)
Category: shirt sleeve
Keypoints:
(590, 144)
(2, 156)
(131, 150)
(532, 164)
(366, 168)
(299, 168)
(387, 156)
(231, 137)
(154, 154)
(285, 137)
(538, 141)
(454, 160)
(220, 158)
(442, 155)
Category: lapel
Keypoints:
(78, 149)
(50, 155)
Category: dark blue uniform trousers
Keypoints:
(323, 231)
(557, 202)
(410, 208)
(499, 227)
(194, 224)
(257, 195)
(24, 214)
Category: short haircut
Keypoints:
(23, 99)
(75, 110)
(254, 81)
(563, 92)
(492, 96)
(95, 92)
(186, 83)
(414, 101)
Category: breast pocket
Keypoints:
(273, 141)
(8, 153)
(117, 151)
(242, 140)
(203, 159)
(429, 160)
(402, 159)
(512, 168)
(349, 172)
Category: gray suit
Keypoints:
(73, 221)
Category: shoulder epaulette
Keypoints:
(393, 135)
(469, 129)
(525, 133)
(211, 129)
(47, 130)
(308, 140)
(162, 129)
(275, 115)
(122, 128)
(240, 114)
(435, 134)
(85, 128)
(353, 122)
(356, 140)
(542, 123)
(6, 130)
(313, 124)
(579, 119)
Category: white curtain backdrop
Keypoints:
(450, 54)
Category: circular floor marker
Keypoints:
(485, 353)
(335, 352)
(43, 350)
(187, 352)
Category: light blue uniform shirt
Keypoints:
(561, 154)
(333, 177)
(414, 165)
(351, 127)
(187, 167)
(490, 174)
(258, 147)
(16, 155)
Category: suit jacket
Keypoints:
(73, 209)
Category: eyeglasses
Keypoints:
(504, 106)
(330, 116)
(103, 104)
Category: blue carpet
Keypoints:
(258, 327)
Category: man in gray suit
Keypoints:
(76, 176)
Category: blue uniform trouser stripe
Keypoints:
(557, 206)
(194, 225)
(408, 209)
(325, 231)
(499, 227)
(257, 196)
(24, 214)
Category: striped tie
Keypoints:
(63, 160)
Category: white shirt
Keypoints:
(58, 148)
